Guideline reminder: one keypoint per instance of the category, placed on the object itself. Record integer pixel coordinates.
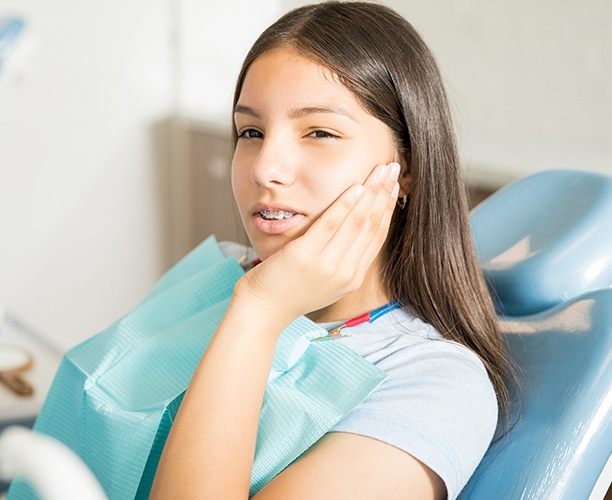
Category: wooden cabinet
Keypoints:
(199, 187)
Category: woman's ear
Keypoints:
(405, 182)
(405, 178)
(405, 185)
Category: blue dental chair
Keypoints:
(545, 246)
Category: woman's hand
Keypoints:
(331, 259)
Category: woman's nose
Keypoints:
(274, 164)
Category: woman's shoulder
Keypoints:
(419, 362)
(437, 402)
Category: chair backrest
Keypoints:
(545, 239)
(562, 434)
(545, 246)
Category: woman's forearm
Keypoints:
(209, 452)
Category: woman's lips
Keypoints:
(270, 225)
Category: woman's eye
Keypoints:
(250, 133)
(322, 134)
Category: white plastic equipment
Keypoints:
(53, 470)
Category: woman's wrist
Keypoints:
(273, 314)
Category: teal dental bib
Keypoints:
(115, 396)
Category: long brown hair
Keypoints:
(431, 266)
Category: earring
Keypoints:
(401, 201)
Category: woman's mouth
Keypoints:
(276, 214)
(276, 221)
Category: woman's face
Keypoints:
(303, 139)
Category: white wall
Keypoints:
(214, 37)
(80, 222)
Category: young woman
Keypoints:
(349, 185)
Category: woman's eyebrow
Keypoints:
(298, 112)
(245, 110)
(310, 110)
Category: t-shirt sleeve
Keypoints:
(437, 404)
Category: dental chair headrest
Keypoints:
(545, 239)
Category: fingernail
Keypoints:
(358, 192)
(394, 172)
(382, 173)
(395, 190)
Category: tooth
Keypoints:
(276, 214)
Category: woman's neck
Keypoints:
(369, 296)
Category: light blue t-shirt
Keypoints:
(437, 403)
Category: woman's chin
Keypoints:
(265, 249)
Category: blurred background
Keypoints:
(114, 126)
